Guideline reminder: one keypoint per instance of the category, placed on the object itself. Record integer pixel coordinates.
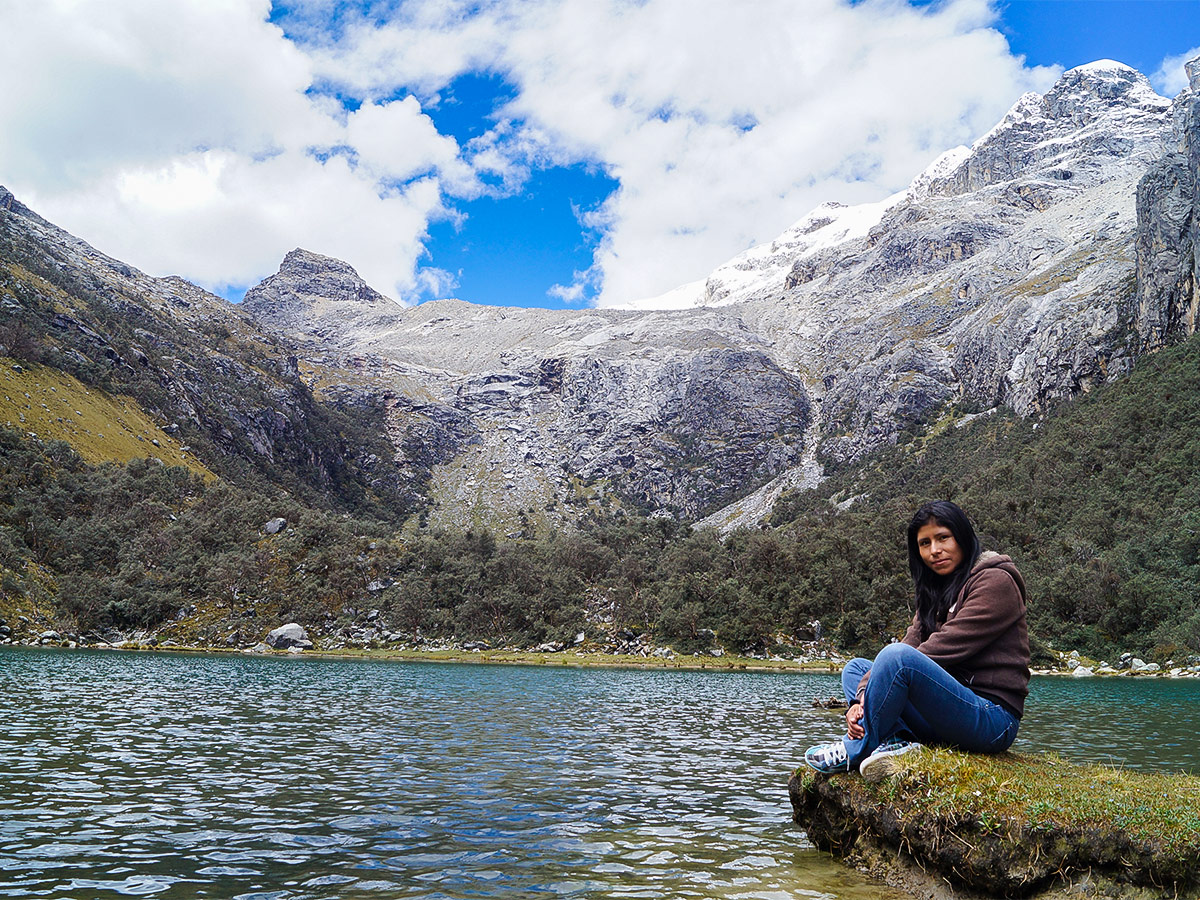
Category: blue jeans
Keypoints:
(909, 695)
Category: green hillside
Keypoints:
(1099, 503)
(190, 363)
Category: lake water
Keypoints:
(264, 778)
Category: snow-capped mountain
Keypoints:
(1102, 109)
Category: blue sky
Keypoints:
(518, 152)
(510, 249)
(1069, 33)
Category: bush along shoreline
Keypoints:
(958, 825)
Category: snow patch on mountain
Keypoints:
(761, 270)
(686, 296)
(1093, 101)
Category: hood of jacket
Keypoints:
(990, 559)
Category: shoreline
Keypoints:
(559, 658)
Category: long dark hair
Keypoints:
(936, 593)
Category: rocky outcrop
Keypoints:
(660, 432)
(683, 434)
(307, 287)
(1168, 233)
(288, 637)
(955, 825)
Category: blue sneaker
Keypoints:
(828, 759)
(882, 762)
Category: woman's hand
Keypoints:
(854, 721)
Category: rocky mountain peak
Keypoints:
(1101, 123)
(1100, 110)
(308, 286)
(1192, 67)
(313, 275)
(1089, 92)
(301, 261)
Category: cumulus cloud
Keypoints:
(1170, 78)
(195, 137)
(396, 142)
(183, 137)
(723, 123)
(224, 219)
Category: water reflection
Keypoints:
(285, 778)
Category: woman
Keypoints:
(960, 675)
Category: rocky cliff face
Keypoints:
(532, 415)
(1168, 234)
(998, 277)
(1004, 274)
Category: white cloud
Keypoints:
(184, 137)
(396, 142)
(181, 138)
(221, 218)
(103, 85)
(569, 293)
(722, 122)
(1171, 78)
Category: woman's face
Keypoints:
(939, 550)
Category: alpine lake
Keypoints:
(266, 778)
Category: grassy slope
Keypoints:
(52, 405)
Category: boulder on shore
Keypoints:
(959, 825)
(289, 636)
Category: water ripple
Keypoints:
(293, 779)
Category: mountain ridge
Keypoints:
(197, 366)
(389, 447)
(1003, 275)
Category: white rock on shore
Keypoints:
(289, 636)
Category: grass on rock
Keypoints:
(1013, 820)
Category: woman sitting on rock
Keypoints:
(959, 676)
